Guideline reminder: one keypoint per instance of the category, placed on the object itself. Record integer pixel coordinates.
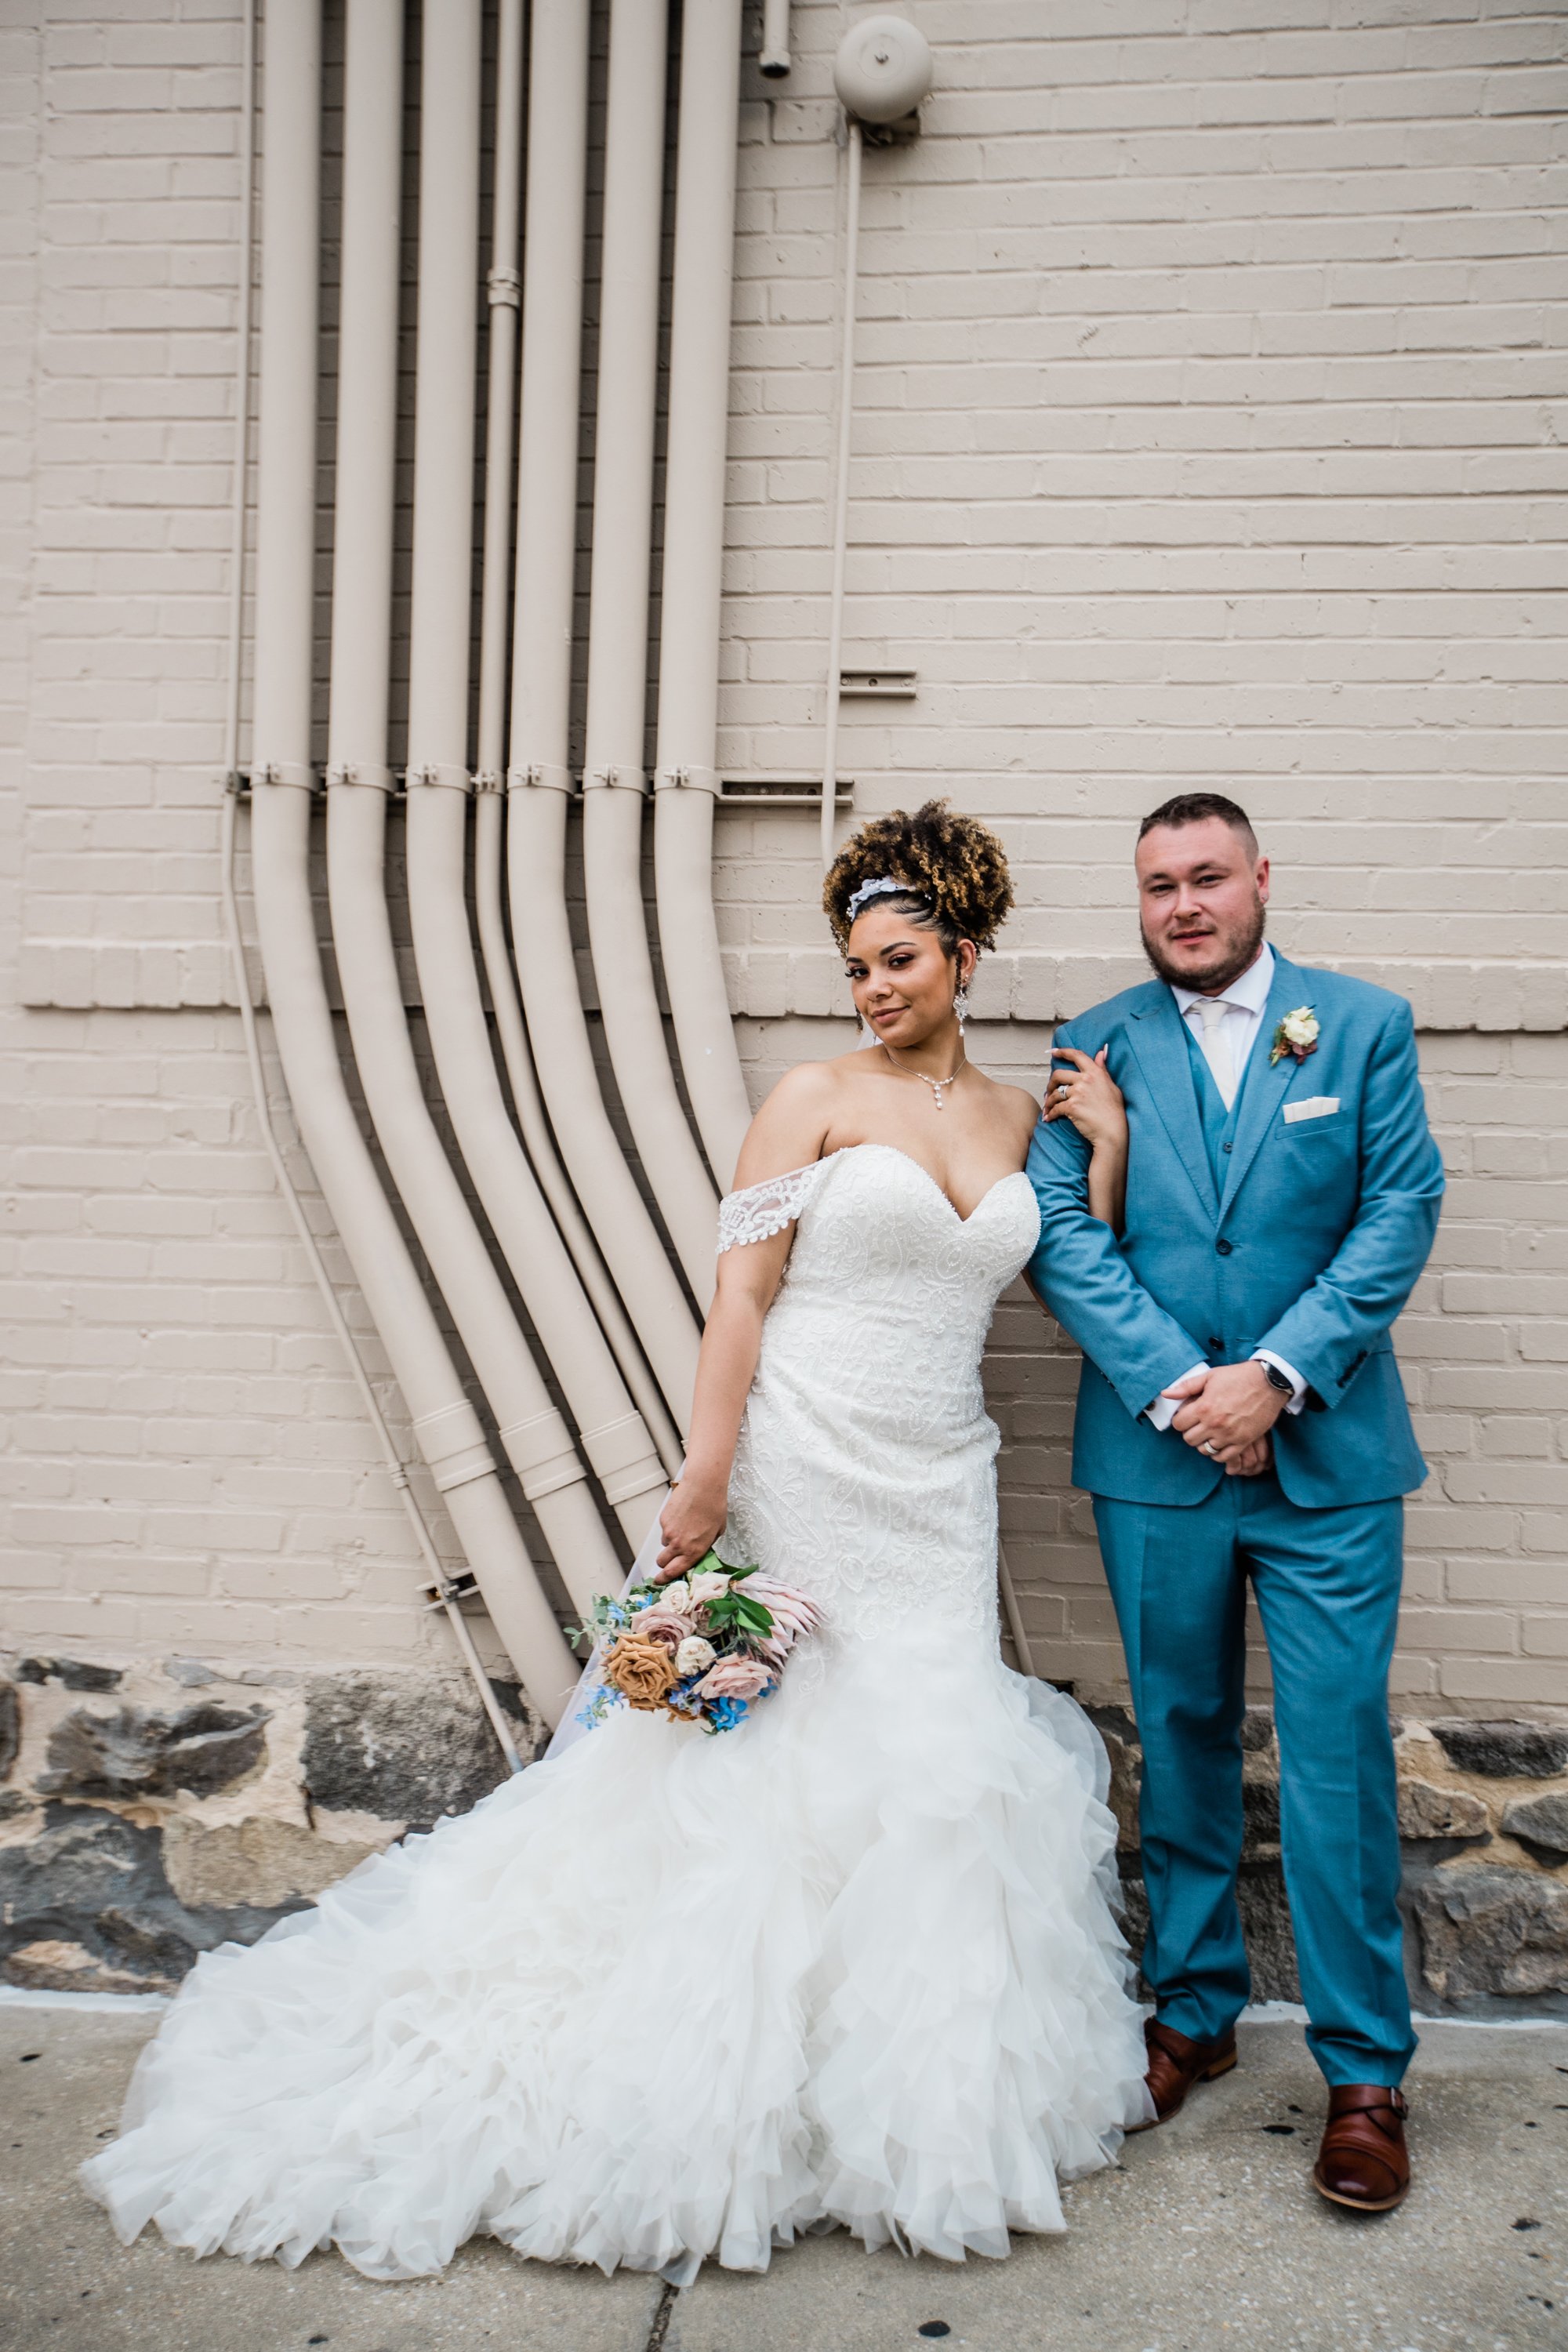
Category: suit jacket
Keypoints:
(1311, 1247)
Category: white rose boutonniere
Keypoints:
(1296, 1035)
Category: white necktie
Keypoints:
(1217, 1046)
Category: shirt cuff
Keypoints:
(1298, 1385)
(1164, 1410)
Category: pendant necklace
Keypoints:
(938, 1086)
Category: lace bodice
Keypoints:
(865, 1468)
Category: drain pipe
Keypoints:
(613, 780)
(490, 871)
(441, 1584)
(841, 498)
(538, 781)
(608, 1319)
(536, 1438)
(447, 1593)
(775, 60)
(686, 774)
(445, 1426)
(881, 72)
(613, 1433)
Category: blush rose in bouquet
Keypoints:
(703, 1648)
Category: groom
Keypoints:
(1240, 1418)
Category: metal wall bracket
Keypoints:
(783, 791)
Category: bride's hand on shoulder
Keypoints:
(1088, 1094)
(690, 1522)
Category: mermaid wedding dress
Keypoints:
(672, 1996)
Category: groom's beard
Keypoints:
(1235, 948)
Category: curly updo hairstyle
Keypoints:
(954, 869)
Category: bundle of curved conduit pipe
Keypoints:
(612, 1291)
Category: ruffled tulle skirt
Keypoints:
(675, 1996)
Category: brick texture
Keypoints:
(1210, 429)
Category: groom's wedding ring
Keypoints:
(1208, 1445)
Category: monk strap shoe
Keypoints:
(1363, 2162)
(1176, 2063)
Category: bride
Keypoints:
(668, 1996)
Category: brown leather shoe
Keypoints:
(1363, 2162)
(1175, 2063)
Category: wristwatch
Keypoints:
(1275, 1377)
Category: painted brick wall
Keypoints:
(1210, 429)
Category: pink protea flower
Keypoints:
(735, 1678)
(793, 1613)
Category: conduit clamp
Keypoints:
(284, 771)
(692, 779)
(367, 772)
(542, 775)
(628, 780)
(439, 774)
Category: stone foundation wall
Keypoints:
(1483, 1823)
(148, 1814)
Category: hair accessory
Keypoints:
(874, 890)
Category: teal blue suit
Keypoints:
(1305, 1236)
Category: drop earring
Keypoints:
(961, 1002)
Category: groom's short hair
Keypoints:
(1193, 808)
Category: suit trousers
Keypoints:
(1327, 1584)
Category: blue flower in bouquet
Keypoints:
(724, 1713)
(598, 1707)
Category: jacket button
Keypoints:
(1216, 1347)
(1224, 1248)
(1227, 1147)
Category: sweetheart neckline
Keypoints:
(939, 1190)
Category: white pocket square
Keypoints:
(1315, 1106)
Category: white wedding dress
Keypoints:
(674, 1996)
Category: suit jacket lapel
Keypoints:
(1264, 1086)
(1160, 1043)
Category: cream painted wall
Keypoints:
(1211, 431)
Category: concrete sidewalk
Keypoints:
(1207, 2236)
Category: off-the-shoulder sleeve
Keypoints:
(765, 1209)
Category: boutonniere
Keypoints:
(1296, 1035)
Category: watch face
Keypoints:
(1277, 1379)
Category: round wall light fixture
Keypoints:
(883, 69)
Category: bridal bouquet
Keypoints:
(700, 1648)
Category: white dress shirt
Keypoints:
(1243, 1002)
